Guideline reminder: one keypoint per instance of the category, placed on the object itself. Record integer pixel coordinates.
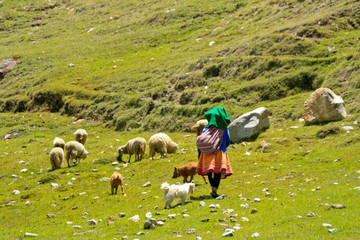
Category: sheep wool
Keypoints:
(81, 136)
(56, 157)
(59, 142)
(135, 146)
(199, 126)
(161, 143)
(74, 150)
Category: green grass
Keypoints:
(298, 161)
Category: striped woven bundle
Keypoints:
(210, 140)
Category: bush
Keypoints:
(323, 133)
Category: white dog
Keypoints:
(176, 191)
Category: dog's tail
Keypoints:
(165, 187)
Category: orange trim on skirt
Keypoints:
(214, 163)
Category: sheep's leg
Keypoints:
(183, 200)
(53, 167)
(152, 153)
(70, 162)
(122, 190)
(129, 158)
(163, 153)
(168, 204)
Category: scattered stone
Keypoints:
(222, 196)
(77, 227)
(255, 235)
(140, 206)
(92, 222)
(324, 105)
(54, 185)
(16, 192)
(114, 164)
(317, 188)
(160, 223)
(105, 179)
(27, 234)
(233, 219)
(198, 238)
(212, 206)
(186, 215)
(249, 124)
(202, 204)
(28, 203)
(22, 162)
(254, 210)
(148, 215)
(190, 231)
(205, 220)
(299, 217)
(134, 218)
(228, 232)
(121, 214)
(23, 170)
(70, 184)
(257, 199)
(172, 216)
(237, 227)
(14, 176)
(267, 194)
(337, 206)
(125, 237)
(294, 127)
(311, 214)
(11, 203)
(332, 230)
(245, 219)
(94, 170)
(149, 225)
(148, 184)
(117, 169)
(96, 198)
(140, 233)
(65, 198)
(292, 194)
(74, 208)
(327, 225)
(82, 193)
(348, 128)
(50, 215)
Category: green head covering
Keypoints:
(218, 117)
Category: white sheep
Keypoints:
(81, 136)
(56, 157)
(74, 150)
(161, 143)
(59, 142)
(199, 126)
(134, 146)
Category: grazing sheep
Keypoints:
(81, 136)
(187, 170)
(116, 180)
(74, 150)
(161, 143)
(199, 126)
(59, 142)
(56, 157)
(134, 146)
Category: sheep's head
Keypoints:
(121, 152)
(191, 187)
(84, 155)
(173, 148)
(176, 173)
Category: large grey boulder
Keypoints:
(249, 124)
(324, 105)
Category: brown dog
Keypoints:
(116, 180)
(187, 170)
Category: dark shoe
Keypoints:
(214, 194)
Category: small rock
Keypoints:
(348, 128)
(148, 225)
(121, 214)
(16, 192)
(337, 206)
(292, 194)
(222, 196)
(92, 222)
(71, 65)
(311, 214)
(254, 210)
(105, 179)
(148, 215)
(212, 206)
(77, 227)
(156, 207)
(28, 203)
(317, 188)
(160, 223)
(148, 184)
(135, 218)
(190, 231)
(27, 234)
(140, 206)
(198, 238)
(114, 164)
(327, 225)
(233, 219)
(172, 216)
(332, 230)
(94, 170)
(96, 198)
(70, 184)
(228, 234)
(237, 227)
(211, 43)
(299, 217)
(245, 219)
(54, 185)
(23, 170)
(186, 215)
(267, 194)
(255, 235)
(14, 176)
(82, 193)
(205, 220)
(11, 203)
(125, 237)
(117, 169)
(202, 204)
(50, 215)
(257, 199)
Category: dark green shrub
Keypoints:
(212, 71)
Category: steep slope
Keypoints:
(162, 64)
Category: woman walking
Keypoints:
(212, 148)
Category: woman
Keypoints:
(213, 158)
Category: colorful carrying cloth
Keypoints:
(216, 163)
(210, 140)
(218, 117)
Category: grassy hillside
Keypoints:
(139, 64)
(305, 170)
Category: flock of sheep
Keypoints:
(158, 143)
